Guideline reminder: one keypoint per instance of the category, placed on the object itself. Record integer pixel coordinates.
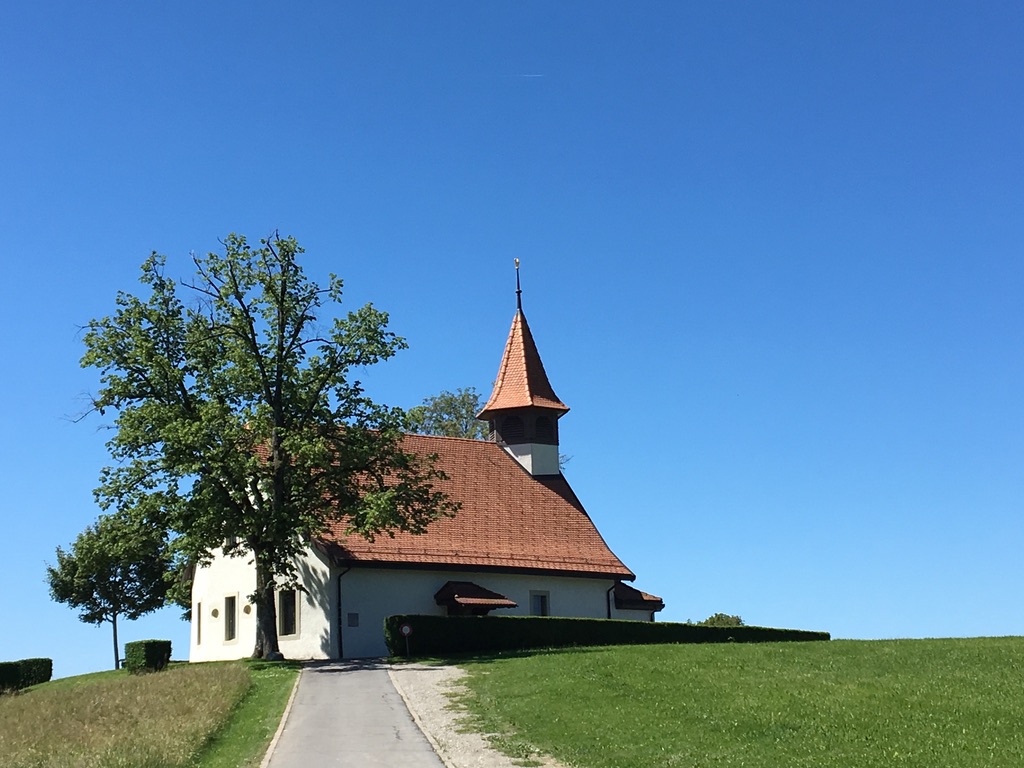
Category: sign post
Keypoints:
(406, 630)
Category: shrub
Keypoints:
(444, 635)
(36, 671)
(15, 675)
(10, 675)
(147, 655)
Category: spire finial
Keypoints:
(519, 291)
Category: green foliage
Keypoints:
(115, 567)
(844, 704)
(447, 635)
(147, 655)
(449, 414)
(15, 675)
(180, 576)
(721, 620)
(237, 418)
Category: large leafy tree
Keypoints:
(115, 568)
(238, 422)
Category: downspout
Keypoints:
(341, 647)
(608, 599)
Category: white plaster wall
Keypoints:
(317, 609)
(367, 597)
(374, 594)
(225, 576)
(535, 458)
(629, 615)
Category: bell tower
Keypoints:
(523, 409)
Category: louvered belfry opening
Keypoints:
(526, 425)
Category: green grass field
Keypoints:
(840, 704)
(199, 715)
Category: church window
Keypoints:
(230, 617)
(287, 614)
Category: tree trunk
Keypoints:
(266, 614)
(117, 658)
(266, 605)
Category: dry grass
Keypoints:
(159, 720)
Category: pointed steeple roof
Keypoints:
(521, 380)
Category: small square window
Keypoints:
(353, 619)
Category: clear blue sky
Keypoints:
(772, 257)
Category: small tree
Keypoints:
(449, 414)
(116, 567)
(721, 620)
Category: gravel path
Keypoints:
(426, 691)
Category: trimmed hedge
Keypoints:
(10, 675)
(15, 675)
(36, 671)
(446, 635)
(147, 655)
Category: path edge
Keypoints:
(284, 719)
(434, 743)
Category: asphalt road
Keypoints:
(348, 713)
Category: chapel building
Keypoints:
(520, 544)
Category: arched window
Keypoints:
(512, 429)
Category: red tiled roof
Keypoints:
(508, 520)
(521, 378)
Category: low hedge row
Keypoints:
(147, 655)
(444, 635)
(15, 675)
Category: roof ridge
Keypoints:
(449, 437)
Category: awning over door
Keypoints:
(465, 597)
(632, 599)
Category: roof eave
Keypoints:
(340, 560)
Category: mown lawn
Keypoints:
(839, 704)
(205, 715)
